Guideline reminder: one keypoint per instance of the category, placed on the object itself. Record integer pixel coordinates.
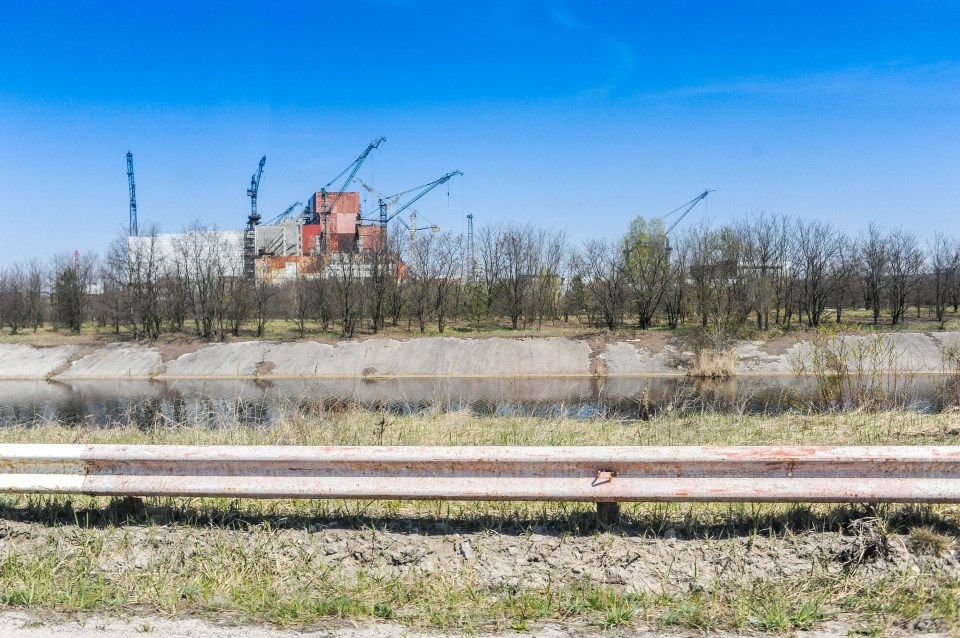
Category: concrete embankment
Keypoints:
(447, 357)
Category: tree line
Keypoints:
(762, 271)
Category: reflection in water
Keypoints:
(226, 403)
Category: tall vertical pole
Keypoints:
(471, 255)
(132, 230)
(325, 218)
(413, 237)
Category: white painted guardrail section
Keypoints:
(597, 474)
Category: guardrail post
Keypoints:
(608, 513)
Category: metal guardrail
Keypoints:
(598, 474)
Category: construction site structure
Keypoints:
(253, 220)
(132, 229)
(329, 226)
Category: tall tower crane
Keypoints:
(132, 230)
(385, 202)
(254, 217)
(250, 234)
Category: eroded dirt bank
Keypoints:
(760, 574)
(451, 357)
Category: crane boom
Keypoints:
(387, 202)
(686, 208)
(132, 230)
(283, 215)
(254, 217)
(426, 189)
(352, 170)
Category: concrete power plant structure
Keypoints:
(299, 246)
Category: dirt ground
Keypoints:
(630, 559)
(640, 561)
(22, 625)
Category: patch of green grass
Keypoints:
(926, 540)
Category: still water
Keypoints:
(224, 403)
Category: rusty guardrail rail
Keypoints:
(598, 474)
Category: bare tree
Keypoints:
(600, 266)
(675, 292)
(446, 264)
(346, 271)
(36, 276)
(844, 274)
(14, 304)
(300, 291)
(702, 256)
(136, 268)
(207, 258)
(767, 242)
(818, 244)
(262, 296)
(647, 263)
(420, 280)
(73, 278)
(547, 274)
(727, 298)
(491, 261)
(521, 259)
(872, 252)
(944, 263)
(906, 266)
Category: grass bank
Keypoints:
(501, 566)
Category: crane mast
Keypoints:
(132, 230)
(250, 234)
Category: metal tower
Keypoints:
(132, 230)
(471, 254)
(250, 234)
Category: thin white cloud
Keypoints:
(906, 84)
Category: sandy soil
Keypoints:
(22, 625)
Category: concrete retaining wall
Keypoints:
(426, 357)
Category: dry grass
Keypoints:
(713, 364)
(359, 427)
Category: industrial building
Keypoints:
(329, 225)
(325, 237)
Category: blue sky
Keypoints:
(577, 115)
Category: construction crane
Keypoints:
(132, 230)
(284, 214)
(412, 227)
(250, 235)
(352, 169)
(685, 208)
(254, 217)
(385, 202)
